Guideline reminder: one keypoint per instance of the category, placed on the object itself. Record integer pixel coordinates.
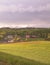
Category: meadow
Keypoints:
(25, 53)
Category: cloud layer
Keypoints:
(34, 13)
(24, 5)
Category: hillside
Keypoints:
(26, 53)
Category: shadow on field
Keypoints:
(8, 59)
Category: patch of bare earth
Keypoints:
(3, 63)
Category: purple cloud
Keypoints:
(25, 12)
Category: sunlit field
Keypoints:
(25, 53)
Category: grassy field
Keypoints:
(25, 53)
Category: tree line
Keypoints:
(43, 33)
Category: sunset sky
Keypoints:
(24, 13)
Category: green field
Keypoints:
(25, 53)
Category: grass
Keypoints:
(26, 53)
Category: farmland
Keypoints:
(25, 53)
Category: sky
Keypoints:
(25, 13)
